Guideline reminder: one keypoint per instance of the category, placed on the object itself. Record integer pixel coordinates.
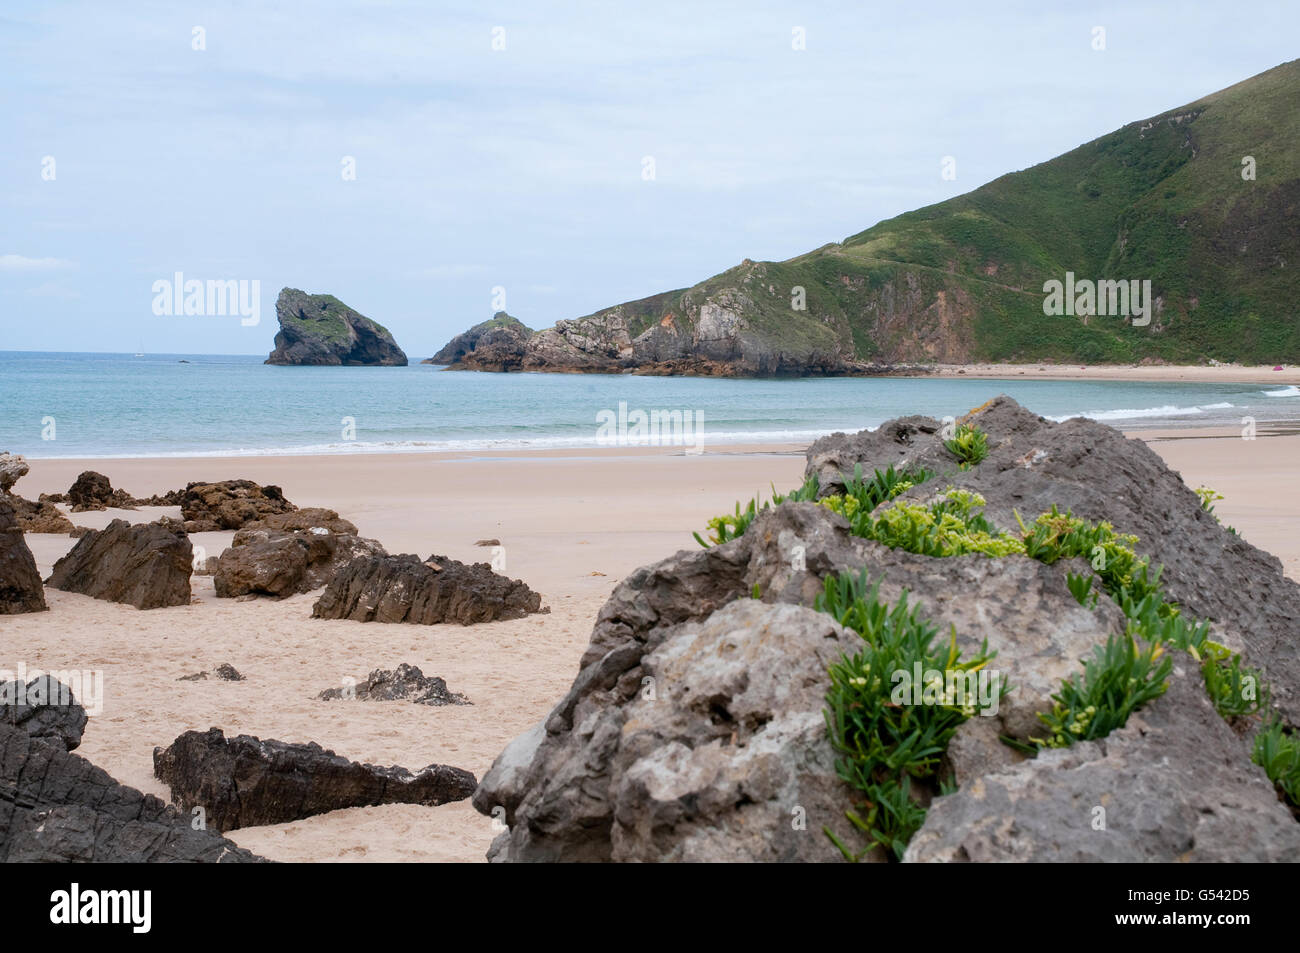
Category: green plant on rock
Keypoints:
(969, 444)
(1277, 751)
(1208, 498)
(861, 495)
(951, 526)
(1121, 677)
(1080, 587)
(881, 741)
(1235, 690)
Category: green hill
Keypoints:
(1162, 200)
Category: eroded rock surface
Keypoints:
(405, 683)
(438, 589)
(147, 565)
(281, 563)
(244, 781)
(20, 582)
(230, 504)
(612, 774)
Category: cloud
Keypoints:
(23, 263)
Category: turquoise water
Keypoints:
(152, 406)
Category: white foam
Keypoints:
(1291, 391)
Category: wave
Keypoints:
(483, 445)
(1290, 391)
(1137, 413)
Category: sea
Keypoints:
(75, 405)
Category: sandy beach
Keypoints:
(1185, 373)
(572, 523)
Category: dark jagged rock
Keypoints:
(321, 329)
(224, 672)
(695, 725)
(20, 582)
(230, 504)
(45, 708)
(498, 344)
(147, 565)
(438, 589)
(93, 491)
(39, 517)
(244, 781)
(405, 683)
(57, 807)
(282, 563)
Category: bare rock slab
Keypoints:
(147, 565)
(438, 589)
(245, 781)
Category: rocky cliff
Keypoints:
(321, 329)
(1200, 201)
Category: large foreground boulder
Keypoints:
(147, 565)
(678, 741)
(244, 781)
(438, 589)
(20, 582)
(57, 807)
(280, 563)
(230, 504)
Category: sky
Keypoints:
(424, 161)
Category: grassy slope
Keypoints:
(1161, 199)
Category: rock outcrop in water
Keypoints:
(245, 781)
(147, 565)
(321, 329)
(498, 344)
(695, 728)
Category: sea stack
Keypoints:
(321, 329)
